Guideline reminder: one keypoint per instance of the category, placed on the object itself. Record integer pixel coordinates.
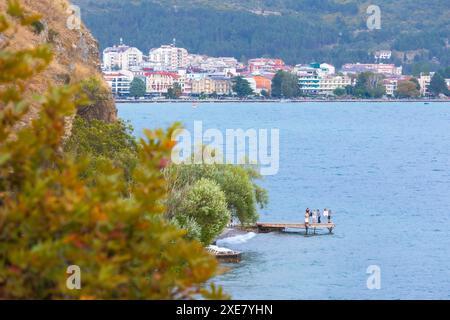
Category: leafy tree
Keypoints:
(103, 142)
(437, 85)
(51, 219)
(350, 90)
(369, 85)
(137, 88)
(445, 73)
(416, 82)
(190, 224)
(285, 85)
(214, 95)
(205, 203)
(265, 93)
(242, 193)
(407, 89)
(175, 92)
(242, 87)
(340, 92)
(277, 84)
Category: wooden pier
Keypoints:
(313, 227)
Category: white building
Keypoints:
(159, 82)
(385, 69)
(383, 55)
(329, 83)
(121, 57)
(327, 69)
(323, 69)
(315, 79)
(424, 81)
(169, 57)
(213, 64)
(119, 81)
(391, 86)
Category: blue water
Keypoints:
(384, 170)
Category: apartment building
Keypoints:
(213, 64)
(211, 85)
(424, 81)
(383, 55)
(320, 79)
(329, 83)
(381, 68)
(169, 57)
(119, 81)
(265, 64)
(159, 82)
(122, 57)
(391, 86)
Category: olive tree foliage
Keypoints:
(103, 142)
(238, 184)
(205, 204)
(51, 219)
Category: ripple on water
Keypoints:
(384, 213)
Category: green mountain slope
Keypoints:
(298, 31)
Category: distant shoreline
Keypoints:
(121, 101)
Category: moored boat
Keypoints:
(224, 254)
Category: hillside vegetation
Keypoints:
(298, 31)
(75, 55)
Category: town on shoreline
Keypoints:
(306, 100)
(172, 74)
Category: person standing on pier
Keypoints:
(325, 213)
(314, 216)
(329, 216)
(307, 214)
(318, 216)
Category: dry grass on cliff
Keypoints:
(76, 55)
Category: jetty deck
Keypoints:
(313, 227)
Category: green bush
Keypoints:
(103, 142)
(137, 88)
(38, 27)
(51, 219)
(205, 203)
(242, 194)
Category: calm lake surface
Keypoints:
(383, 168)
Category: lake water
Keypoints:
(383, 168)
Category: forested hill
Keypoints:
(298, 31)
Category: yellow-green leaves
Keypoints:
(51, 218)
(23, 64)
(15, 10)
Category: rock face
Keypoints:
(76, 53)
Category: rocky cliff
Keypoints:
(76, 53)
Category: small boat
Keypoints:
(224, 254)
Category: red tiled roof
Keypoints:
(162, 73)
